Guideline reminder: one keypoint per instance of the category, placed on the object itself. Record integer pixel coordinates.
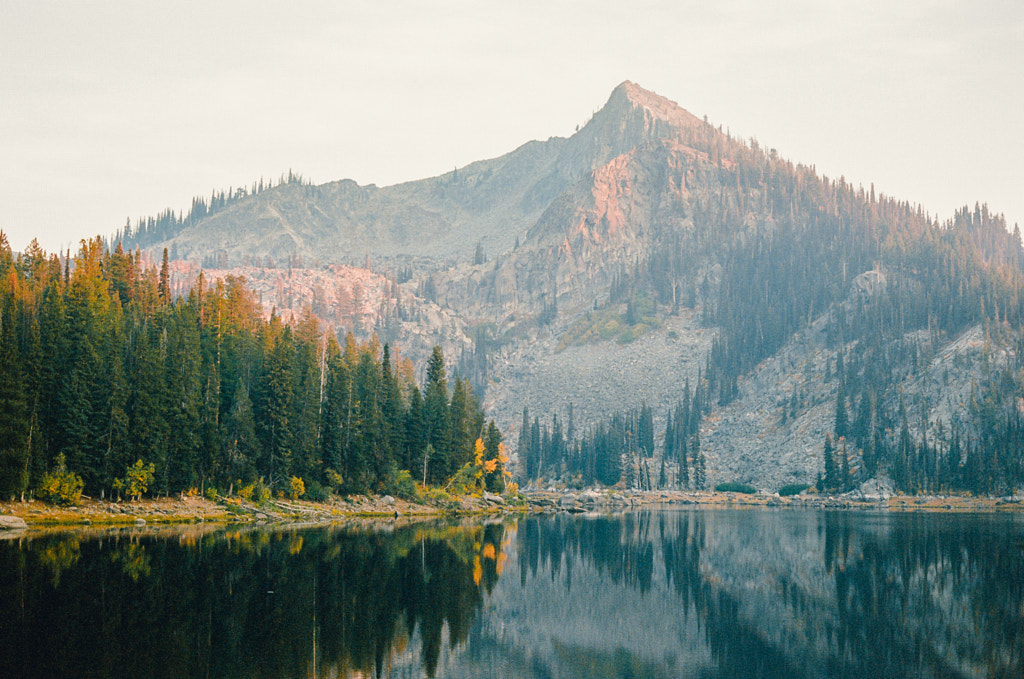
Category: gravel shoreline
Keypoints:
(17, 517)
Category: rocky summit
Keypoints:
(626, 265)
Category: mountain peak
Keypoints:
(629, 96)
(631, 118)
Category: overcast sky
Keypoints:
(114, 109)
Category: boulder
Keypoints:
(880, 488)
(12, 523)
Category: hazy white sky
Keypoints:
(120, 109)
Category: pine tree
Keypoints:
(670, 437)
(830, 481)
(536, 450)
(464, 431)
(14, 452)
(306, 406)
(437, 416)
(415, 434)
(493, 453)
(242, 446)
(393, 420)
(645, 428)
(844, 468)
(275, 409)
(841, 427)
(183, 379)
(524, 442)
(335, 400)
(570, 429)
(699, 471)
(367, 458)
(165, 279)
(682, 454)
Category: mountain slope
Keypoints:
(650, 256)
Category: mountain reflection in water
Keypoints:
(651, 594)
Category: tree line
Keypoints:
(102, 366)
(148, 231)
(621, 447)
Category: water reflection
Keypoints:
(244, 603)
(776, 594)
(651, 594)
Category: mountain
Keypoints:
(651, 260)
(490, 201)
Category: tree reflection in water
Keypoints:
(243, 603)
(650, 593)
(793, 594)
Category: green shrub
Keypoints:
(735, 487)
(398, 482)
(60, 486)
(257, 492)
(793, 489)
(441, 498)
(261, 492)
(316, 492)
(211, 493)
(334, 480)
(137, 479)
(466, 480)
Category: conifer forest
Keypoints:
(103, 370)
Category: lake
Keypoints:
(653, 593)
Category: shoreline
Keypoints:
(194, 509)
(588, 500)
(35, 515)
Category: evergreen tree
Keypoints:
(524, 442)
(240, 435)
(535, 461)
(393, 420)
(14, 451)
(646, 431)
(464, 430)
(182, 377)
(699, 471)
(275, 408)
(841, 427)
(367, 458)
(670, 437)
(165, 279)
(437, 416)
(830, 480)
(844, 468)
(494, 477)
(415, 434)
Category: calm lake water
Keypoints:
(643, 594)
